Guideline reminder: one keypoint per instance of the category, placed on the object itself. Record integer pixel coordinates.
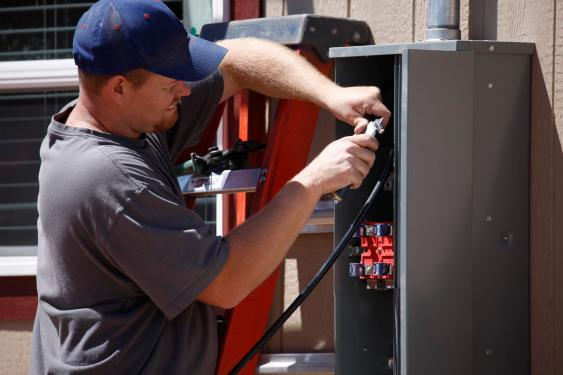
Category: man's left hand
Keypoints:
(353, 104)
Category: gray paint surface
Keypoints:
(500, 208)
(435, 207)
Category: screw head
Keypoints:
(490, 86)
(263, 174)
(491, 48)
(508, 238)
(488, 219)
(356, 37)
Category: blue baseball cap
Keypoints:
(117, 36)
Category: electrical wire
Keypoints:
(322, 271)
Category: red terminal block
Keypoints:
(377, 259)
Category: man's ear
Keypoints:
(116, 88)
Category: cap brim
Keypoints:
(203, 59)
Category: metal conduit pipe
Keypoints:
(443, 20)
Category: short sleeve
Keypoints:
(196, 110)
(166, 249)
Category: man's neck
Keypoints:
(80, 117)
(84, 116)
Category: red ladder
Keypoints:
(288, 142)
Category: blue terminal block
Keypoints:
(356, 270)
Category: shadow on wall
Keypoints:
(483, 20)
(300, 7)
(546, 199)
(556, 299)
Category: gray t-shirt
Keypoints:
(121, 260)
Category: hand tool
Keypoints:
(374, 128)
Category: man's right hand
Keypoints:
(344, 162)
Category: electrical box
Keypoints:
(436, 281)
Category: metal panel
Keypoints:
(435, 212)
(500, 215)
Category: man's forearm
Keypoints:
(274, 70)
(259, 245)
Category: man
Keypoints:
(126, 273)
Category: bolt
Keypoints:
(491, 48)
(489, 219)
(263, 173)
(334, 31)
(508, 239)
(490, 86)
(356, 37)
(312, 29)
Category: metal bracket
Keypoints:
(229, 181)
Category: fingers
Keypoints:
(365, 140)
(361, 159)
(371, 104)
(360, 125)
(357, 180)
(381, 111)
(376, 107)
(364, 154)
(346, 161)
(362, 167)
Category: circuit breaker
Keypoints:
(435, 281)
(372, 247)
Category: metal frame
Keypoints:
(38, 75)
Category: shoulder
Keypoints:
(110, 165)
(211, 84)
(78, 168)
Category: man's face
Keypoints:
(153, 107)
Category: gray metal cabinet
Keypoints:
(459, 204)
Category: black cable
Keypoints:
(323, 270)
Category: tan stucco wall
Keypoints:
(15, 347)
